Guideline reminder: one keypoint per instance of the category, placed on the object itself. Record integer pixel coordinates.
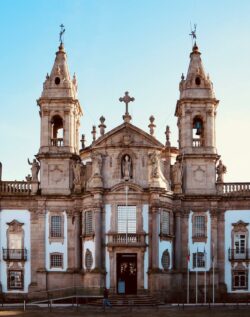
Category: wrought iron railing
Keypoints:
(15, 187)
(132, 239)
(15, 254)
(239, 254)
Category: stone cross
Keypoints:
(61, 33)
(126, 99)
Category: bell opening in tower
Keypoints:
(57, 131)
(198, 132)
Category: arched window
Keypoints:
(88, 259)
(198, 132)
(126, 167)
(165, 260)
(57, 131)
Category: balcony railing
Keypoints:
(57, 142)
(236, 189)
(15, 188)
(14, 254)
(239, 254)
(129, 239)
(197, 142)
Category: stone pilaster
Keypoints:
(221, 245)
(98, 237)
(155, 237)
(71, 234)
(177, 240)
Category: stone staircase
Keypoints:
(129, 300)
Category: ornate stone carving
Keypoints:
(126, 167)
(35, 167)
(221, 170)
(154, 163)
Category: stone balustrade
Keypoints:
(131, 239)
(234, 188)
(57, 142)
(197, 142)
(15, 187)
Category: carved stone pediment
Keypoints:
(127, 135)
(240, 226)
(15, 226)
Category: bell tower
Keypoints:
(60, 113)
(196, 113)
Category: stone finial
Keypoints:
(182, 76)
(83, 140)
(151, 125)
(167, 133)
(102, 126)
(74, 81)
(94, 133)
(0, 171)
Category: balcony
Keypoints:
(15, 188)
(14, 254)
(197, 142)
(239, 254)
(129, 239)
(57, 142)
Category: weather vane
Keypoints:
(61, 33)
(193, 33)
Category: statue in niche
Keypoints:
(96, 164)
(154, 161)
(35, 167)
(77, 167)
(177, 173)
(126, 167)
(221, 170)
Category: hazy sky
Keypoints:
(141, 46)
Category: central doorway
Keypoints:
(126, 273)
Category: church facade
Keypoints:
(126, 212)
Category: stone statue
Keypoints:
(154, 161)
(221, 170)
(126, 167)
(177, 173)
(35, 167)
(96, 164)
(77, 167)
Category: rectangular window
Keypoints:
(15, 279)
(126, 219)
(199, 226)
(199, 261)
(165, 223)
(88, 223)
(56, 227)
(240, 280)
(56, 260)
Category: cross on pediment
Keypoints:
(126, 99)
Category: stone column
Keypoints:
(71, 239)
(220, 263)
(177, 240)
(155, 237)
(98, 237)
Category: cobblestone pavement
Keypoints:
(135, 312)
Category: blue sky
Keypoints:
(141, 46)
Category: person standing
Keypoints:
(106, 301)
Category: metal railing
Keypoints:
(132, 239)
(15, 254)
(15, 187)
(239, 254)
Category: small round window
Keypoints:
(57, 80)
(197, 81)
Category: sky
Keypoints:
(113, 46)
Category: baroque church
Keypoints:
(126, 212)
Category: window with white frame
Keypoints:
(126, 219)
(15, 279)
(88, 223)
(199, 226)
(56, 227)
(165, 222)
(199, 260)
(56, 260)
(240, 280)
